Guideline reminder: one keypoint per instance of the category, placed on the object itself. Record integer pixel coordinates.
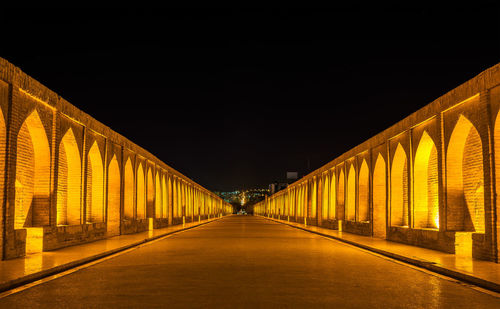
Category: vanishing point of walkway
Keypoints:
(243, 261)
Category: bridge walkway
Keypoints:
(248, 262)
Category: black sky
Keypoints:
(235, 98)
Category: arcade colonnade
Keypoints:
(68, 179)
(430, 180)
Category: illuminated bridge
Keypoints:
(422, 192)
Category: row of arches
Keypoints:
(404, 193)
(84, 190)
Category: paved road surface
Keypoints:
(244, 261)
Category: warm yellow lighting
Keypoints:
(113, 198)
(379, 198)
(332, 211)
(32, 174)
(34, 239)
(350, 204)
(44, 103)
(363, 189)
(436, 220)
(425, 184)
(464, 174)
(141, 198)
(95, 182)
(70, 178)
(128, 192)
(399, 188)
(158, 199)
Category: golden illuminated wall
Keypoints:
(158, 197)
(68, 178)
(141, 193)
(314, 198)
(300, 201)
(150, 194)
(363, 193)
(32, 174)
(465, 184)
(128, 191)
(95, 185)
(425, 184)
(165, 198)
(340, 196)
(399, 188)
(177, 198)
(113, 226)
(350, 205)
(332, 209)
(325, 192)
(69, 181)
(431, 174)
(379, 197)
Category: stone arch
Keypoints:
(425, 184)
(299, 203)
(399, 188)
(128, 191)
(350, 204)
(303, 201)
(164, 195)
(69, 185)
(465, 179)
(113, 225)
(340, 211)
(333, 198)
(324, 204)
(314, 198)
(171, 192)
(141, 193)
(32, 197)
(379, 198)
(150, 194)
(363, 193)
(95, 185)
(175, 194)
(158, 199)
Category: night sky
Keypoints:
(236, 98)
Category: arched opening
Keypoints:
(363, 196)
(314, 198)
(113, 198)
(32, 203)
(175, 198)
(164, 203)
(69, 181)
(150, 195)
(379, 198)
(128, 193)
(399, 188)
(141, 194)
(182, 198)
(340, 211)
(188, 204)
(351, 194)
(171, 196)
(425, 184)
(325, 191)
(332, 209)
(158, 199)
(303, 201)
(95, 185)
(299, 202)
(464, 175)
